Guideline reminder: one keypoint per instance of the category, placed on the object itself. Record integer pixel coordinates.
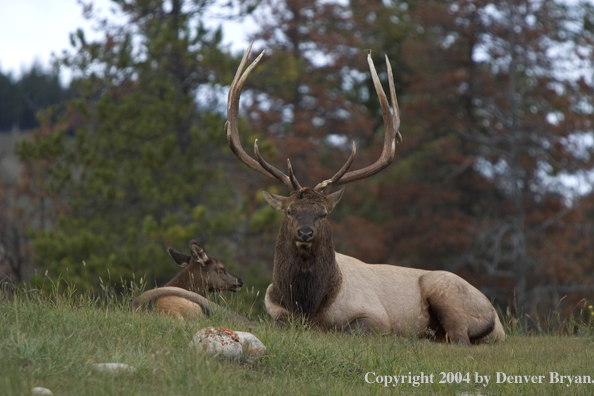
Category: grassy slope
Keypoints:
(52, 342)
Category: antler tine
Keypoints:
(294, 181)
(233, 130)
(392, 134)
(396, 115)
(290, 182)
(324, 185)
(233, 113)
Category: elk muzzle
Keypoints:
(223, 280)
(305, 235)
(237, 285)
(232, 283)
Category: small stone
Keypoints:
(38, 390)
(113, 368)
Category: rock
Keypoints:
(228, 344)
(41, 391)
(253, 348)
(218, 342)
(114, 368)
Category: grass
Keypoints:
(52, 339)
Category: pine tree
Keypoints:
(495, 114)
(133, 166)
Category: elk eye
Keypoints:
(289, 213)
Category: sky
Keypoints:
(31, 30)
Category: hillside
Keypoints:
(53, 340)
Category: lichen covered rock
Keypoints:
(228, 344)
(219, 342)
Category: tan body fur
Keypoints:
(179, 307)
(389, 299)
(174, 301)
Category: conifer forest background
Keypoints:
(493, 179)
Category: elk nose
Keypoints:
(305, 233)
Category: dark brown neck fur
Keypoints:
(186, 280)
(305, 282)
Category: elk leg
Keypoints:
(447, 325)
(358, 326)
(463, 312)
(445, 302)
(367, 325)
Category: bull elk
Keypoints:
(339, 292)
(183, 296)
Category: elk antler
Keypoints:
(233, 131)
(391, 123)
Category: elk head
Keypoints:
(306, 212)
(306, 209)
(201, 272)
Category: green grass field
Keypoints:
(52, 339)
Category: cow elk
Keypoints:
(337, 292)
(183, 296)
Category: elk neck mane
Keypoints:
(305, 282)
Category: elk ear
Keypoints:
(276, 201)
(334, 198)
(180, 258)
(198, 253)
